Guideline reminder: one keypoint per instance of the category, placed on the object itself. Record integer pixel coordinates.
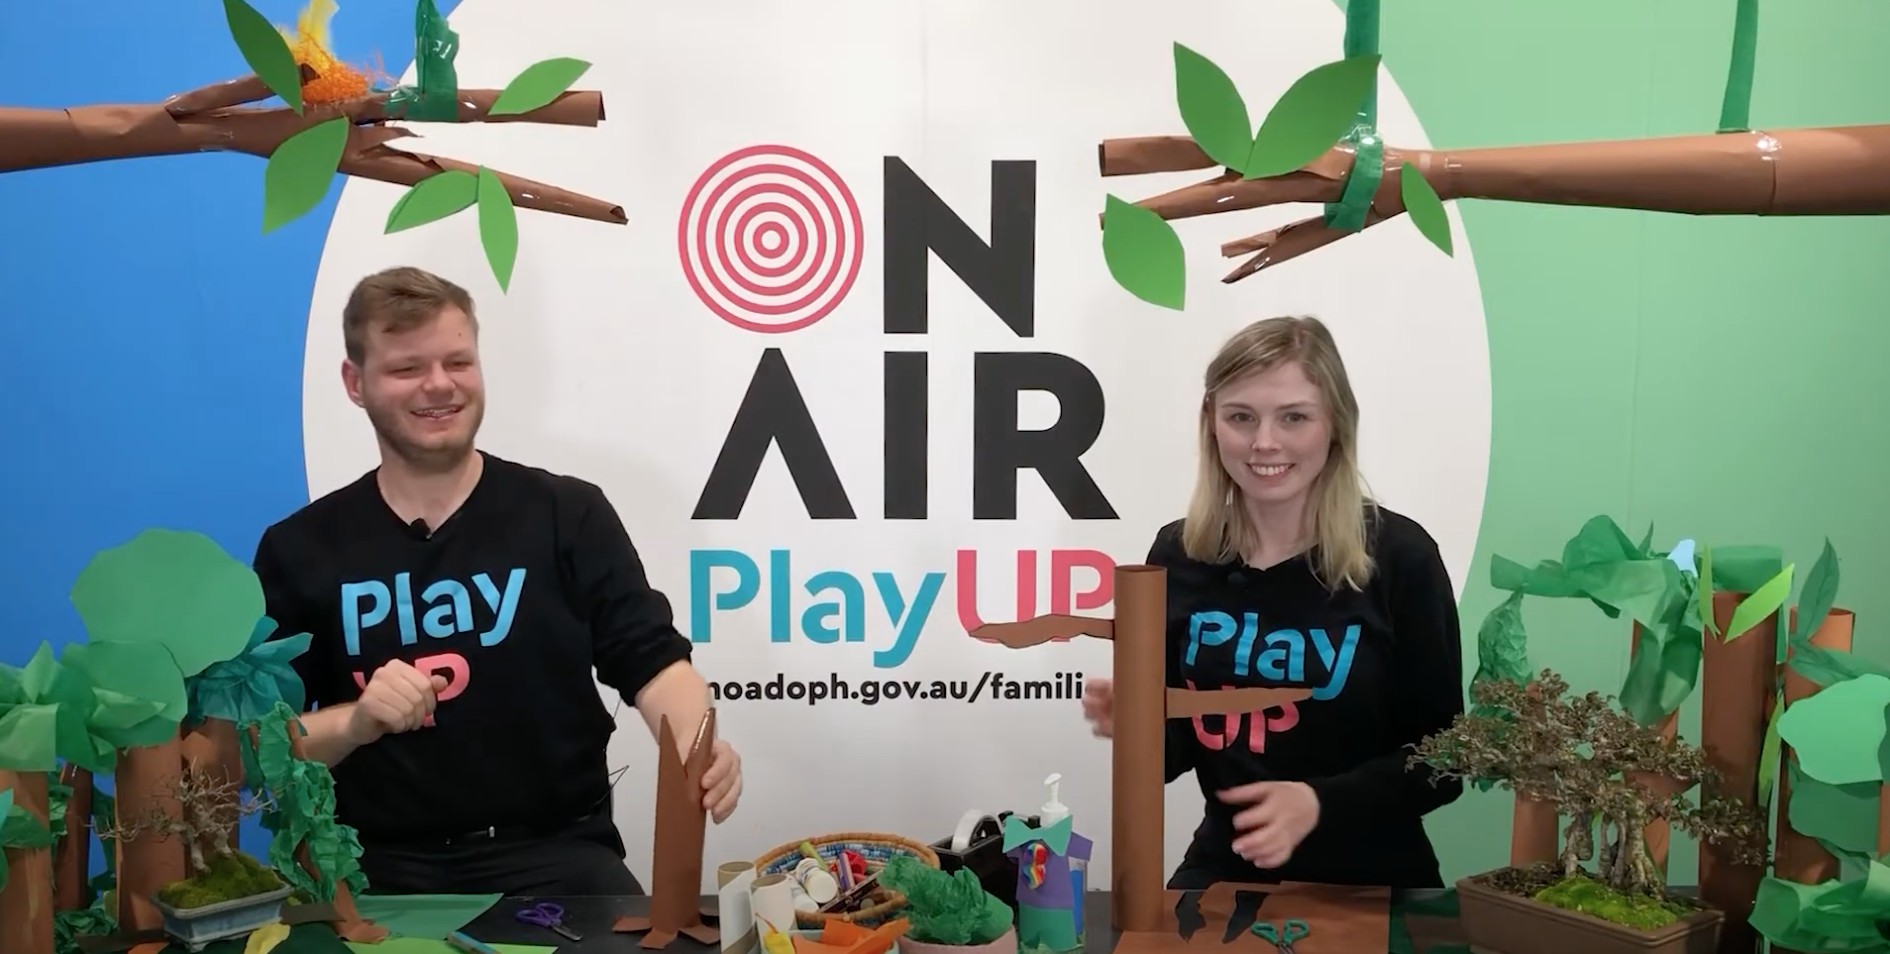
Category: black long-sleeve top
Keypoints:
(1385, 666)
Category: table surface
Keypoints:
(1427, 916)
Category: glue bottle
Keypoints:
(1052, 812)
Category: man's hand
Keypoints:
(1281, 815)
(1099, 706)
(722, 782)
(397, 699)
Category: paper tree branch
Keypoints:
(676, 885)
(202, 121)
(1038, 630)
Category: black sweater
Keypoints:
(1386, 668)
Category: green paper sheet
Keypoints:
(266, 52)
(1838, 732)
(143, 671)
(1844, 815)
(424, 915)
(421, 945)
(299, 173)
(176, 589)
(1425, 208)
(498, 227)
(433, 198)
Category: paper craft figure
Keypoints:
(680, 819)
(1046, 902)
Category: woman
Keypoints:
(1285, 574)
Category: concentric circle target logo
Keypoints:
(770, 238)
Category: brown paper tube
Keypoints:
(73, 855)
(676, 882)
(1800, 858)
(1534, 834)
(1739, 682)
(26, 903)
(728, 871)
(1658, 835)
(210, 747)
(1141, 683)
(149, 860)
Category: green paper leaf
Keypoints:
(1837, 733)
(498, 226)
(1661, 674)
(1821, 585)
(266, 52)
(537, 85)
(1768, 750)
(301, 170)
(1761, 603)
(141, 671)
(1842, 815)
(1314, 114)
(21, 830)
(176, 589)
(1826, 666)
(1212, 109)
(433, 198)
(1144, 254)
(27, 735)
(1425, 208)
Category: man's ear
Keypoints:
(351, 381)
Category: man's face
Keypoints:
(422, 389)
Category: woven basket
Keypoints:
(876, 848)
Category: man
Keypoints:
(459, 604)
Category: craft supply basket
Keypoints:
(876, 848)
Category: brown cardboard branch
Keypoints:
(1038, 630)
(210, 119)
(1189, 703)
(1842, 170)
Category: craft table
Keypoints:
(1422, 922)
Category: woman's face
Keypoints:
(1274, 433)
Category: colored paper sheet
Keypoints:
(1212, 109)
(422, 945)
(1144, 254)
(177, 589)
(1838, 734)
(424, 915)
(1313, 114)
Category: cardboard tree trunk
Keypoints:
(26, 903)
(211, 747)
(73, 855)
(1658, 835)
(1737, 688)
(149, 860)
(676, 882)
(348, 922)
(1798, 857)
(1534, 832)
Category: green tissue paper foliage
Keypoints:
(947, 908)
(304, 809)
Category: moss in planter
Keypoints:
(1587, 895)
(231, 876)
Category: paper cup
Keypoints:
(773, 904)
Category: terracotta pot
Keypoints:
(1003, 945)
(1499, 923)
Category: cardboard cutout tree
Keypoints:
(332, 120)
(1149, 917)
(1319, 143)
(676, 881)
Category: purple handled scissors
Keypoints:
(548, 915)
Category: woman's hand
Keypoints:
(1099, 706)
(1280, 816)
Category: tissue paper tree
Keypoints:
(1046, 899)
(158, 610)
(333, 121)
(676, 885)
(1319, 143)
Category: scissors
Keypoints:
(1282, 937)
(548, 915)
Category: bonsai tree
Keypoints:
(209, 811)
(951, 910)
(1590, 758)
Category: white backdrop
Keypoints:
(603, 362)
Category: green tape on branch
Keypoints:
(1361, 39)
(1735, 111)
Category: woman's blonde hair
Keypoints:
(1217, 529)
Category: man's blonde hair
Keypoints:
(1217, 529)
(396, 300)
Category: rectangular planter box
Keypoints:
(1494, 922)
(197, 928)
